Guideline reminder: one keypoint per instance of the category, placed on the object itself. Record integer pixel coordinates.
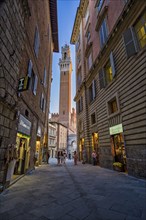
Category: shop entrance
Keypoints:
(23, 149)
(81, 146)
(119, 149)
(95, 145)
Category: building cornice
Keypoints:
(112, 39)
(54, 24)
(81, 10)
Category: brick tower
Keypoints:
(65, 86)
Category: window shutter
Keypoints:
(35, 85)
(112, 64)
(45, 75)
(93, 89)
(36, 41)
(102, 81)
(130, 43)
(41, 102)
(29, 71)
(44, 105)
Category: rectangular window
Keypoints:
(92, 91)
(89, 61)
(79, 79)
(43, 103)
(78, 43)
(140, 30)
(45, 77)
(36, 41)
(113, 106)
(80, 105)
(86, 16)
(103, 34)
(107, 73)
(93, 119)
(130, 42)
(99, 5)
(35, 85)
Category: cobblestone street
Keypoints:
(69, 192)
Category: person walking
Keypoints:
(58, 158)
(94, 156)
(75, 158)
(47, 157)
(84, 156)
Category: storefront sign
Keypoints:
(23, 84)
(24, 125)
(39, 132)
(116, 129)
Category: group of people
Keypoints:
(93, 155)
(61, 157)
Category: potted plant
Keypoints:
(118, 166)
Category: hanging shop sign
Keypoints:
(23, 84)
(116, 129)
(24, 125)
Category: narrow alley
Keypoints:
(68, 192)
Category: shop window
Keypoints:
(103, 33)
(92, 91)
(36, 41)
(119, 148)
(107, 73)
(93, 118)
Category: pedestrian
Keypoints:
(64, 155)
(94, 156)
(84, 156)
(75, 158)
(58, 158)
(47, 157)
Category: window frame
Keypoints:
(103, 33)
(113, 97)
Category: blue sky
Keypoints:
(66, 16)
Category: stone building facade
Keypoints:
(110, 96)
(29, 36)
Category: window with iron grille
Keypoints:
(93, 118)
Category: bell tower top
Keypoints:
(65, 62)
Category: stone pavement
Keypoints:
(69, 192)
